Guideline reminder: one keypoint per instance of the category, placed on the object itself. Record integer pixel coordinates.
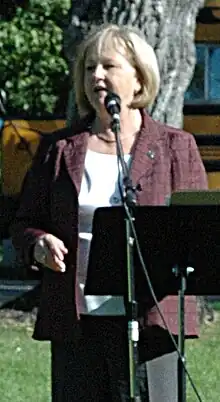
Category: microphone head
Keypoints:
(113, 103)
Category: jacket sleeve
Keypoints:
(188, 171)
(32, 217)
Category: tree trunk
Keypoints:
(168, 25)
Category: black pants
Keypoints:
(94, 366)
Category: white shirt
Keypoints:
(99, 189)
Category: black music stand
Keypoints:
(170, 238)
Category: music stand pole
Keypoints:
(181, 272)
(129, 200)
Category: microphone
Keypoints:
(113, 106)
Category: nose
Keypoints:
(99, 72)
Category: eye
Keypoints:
(90, 68)
(107, 66)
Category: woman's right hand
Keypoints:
(50, 251)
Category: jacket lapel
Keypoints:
(74, 151)
(144, 155)
(74, 156)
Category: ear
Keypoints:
(137, 88)
(138, 85)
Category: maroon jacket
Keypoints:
(165, 159)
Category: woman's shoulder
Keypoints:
(181, 140)
(177, 138)
(171, 134)
(177, 133)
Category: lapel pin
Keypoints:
(150, 154)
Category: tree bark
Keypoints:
(168, 25)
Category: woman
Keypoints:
(73, 175)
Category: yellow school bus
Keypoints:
(20, 139)
(19, 142)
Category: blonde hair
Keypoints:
(139, 53)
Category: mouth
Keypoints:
(99, 88)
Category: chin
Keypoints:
(99, 106)
(102, 114)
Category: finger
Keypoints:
(54, 263)
(63, 248)
(59, 264)
(56, 245)
(51, 239)
(57, 252)
(50, 251)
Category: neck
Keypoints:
(130, 123)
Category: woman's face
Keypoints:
(111, 71)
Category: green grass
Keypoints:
(203, 364)
(25, 365)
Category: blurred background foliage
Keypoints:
(33, 71)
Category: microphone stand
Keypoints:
(129, 202)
